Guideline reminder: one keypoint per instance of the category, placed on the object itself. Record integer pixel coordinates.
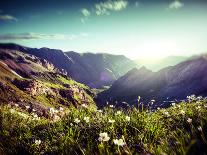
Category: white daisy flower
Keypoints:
(127, 118)
(76, 120)
(103, 137)
(189, 120)
(119, 142)
(86, 119)
(38, 142)
(111, 120)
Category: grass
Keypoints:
(71, 82)
(180, 129)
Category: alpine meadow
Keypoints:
(103, 77)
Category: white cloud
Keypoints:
(38, 36)
(8, 17)
(85, 12)
(104, 8)
(176, 5)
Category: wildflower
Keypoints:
(56, 111)
(111, 106)
(16, 105)
(56, 118)
(111, 120)
(167, 113)
(200, 128)
(127, 118)
(71, 124)
(103, 137)
(86, 119)
(199, 97)
(100, 111)
(173, 104)
(52, 111)
(152, 102)
(35, 116)
(76, 120)
(179, 106)
(191, 98)
(27, 107)
(158, 108)
(38, 142)
(84, 105)
(118, 112)
(119, 142)
(61, 109)
(139, 97)
(198, 107)
(12, 110)
(182, 112)
(33, 110)
(189, 120)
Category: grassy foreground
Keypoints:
(180, 129)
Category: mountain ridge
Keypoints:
(168, 84)
(27, 80)
(95, 70)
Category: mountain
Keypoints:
(27, 80)
(164, 86)
(94, 70)
(156, 65)
(98, 69)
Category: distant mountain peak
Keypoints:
(144, 69)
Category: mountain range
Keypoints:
(165, 86)
(94, 70)
(30, 81)
(49, 77)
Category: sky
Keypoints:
(135, 28)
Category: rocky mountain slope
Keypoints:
(164, 86)
(94, 70)
(27, 80)
(98, 69)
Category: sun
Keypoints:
(155, 50)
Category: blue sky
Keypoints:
(135, 28)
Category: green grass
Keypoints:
(52, 85)
(165, 131)
(71, 82)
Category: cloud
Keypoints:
(85, 12)
(176, 5)
(37, 36)
(104, 8)
(7, 17)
